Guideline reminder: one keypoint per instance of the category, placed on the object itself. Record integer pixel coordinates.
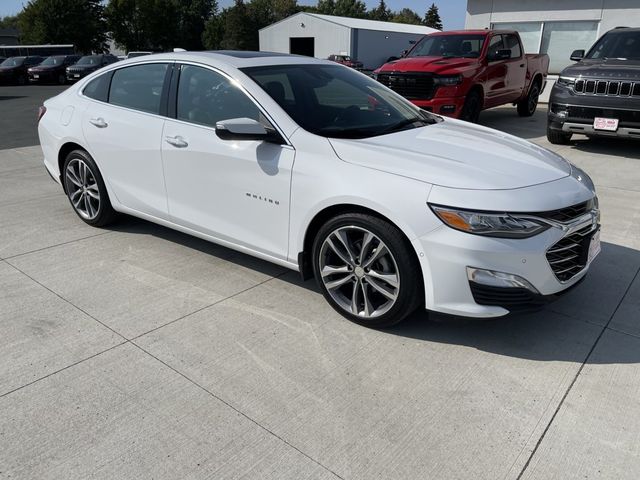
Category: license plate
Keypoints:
(594, 246)
(77, 75)
(36, 76)
(608, 124)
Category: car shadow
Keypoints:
(11, 97)
(563, 331)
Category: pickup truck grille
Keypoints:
(607, 88)
(569, 255)
(413, 86)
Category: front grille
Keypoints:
(615, 88)
(414, 86)
(513, 299)
(568, 213)
(569, 255)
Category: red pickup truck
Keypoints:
(461, 73)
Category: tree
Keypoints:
(214, 31)
(326, 7)
(381, 12)
(80, 22)
(350, 8)
(406, 15)
(144, 24)
(192, 17)
(237, 28)
(10, 21)
(432, 18)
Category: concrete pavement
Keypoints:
(139, 352)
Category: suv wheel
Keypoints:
(557, 137)
(366, 270)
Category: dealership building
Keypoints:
(368, 41)
(554, 27)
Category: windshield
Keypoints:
(467, 46)
(618, 45)
(53, 61)
(90, 60)
(334, 101)
(13, 62)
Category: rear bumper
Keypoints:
(448, 106)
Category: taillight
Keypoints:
(41, 111)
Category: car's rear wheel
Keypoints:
(557, 137)
(472, 107)
(527, 107)
(367, 270)
(86, 190)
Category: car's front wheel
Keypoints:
(557, 137)
(86, 190)
(366, 270)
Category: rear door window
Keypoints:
(139, 87)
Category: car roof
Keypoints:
(233, 58)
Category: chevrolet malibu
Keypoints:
(318, 168)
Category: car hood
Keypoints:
(607, 68)
(456, 154)
(427, 64)
(45, 68)
(83, 67)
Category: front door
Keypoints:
(236, 191)
(496, 83)
(516, 68)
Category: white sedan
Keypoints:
(319, 168)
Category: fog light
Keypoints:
(498, 279)
(447, 109)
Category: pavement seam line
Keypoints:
(239, 412)
(68, 301)
(60, 244)
(575, 378)
(63, 369)
(171, 322)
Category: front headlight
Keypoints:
(567, 81)
(490, 224)
(448, 81)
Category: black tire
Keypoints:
(527, 106)
(409, 293)
(472, 107)
(557, 137)
(101, 212)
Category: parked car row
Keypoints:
(54, 69)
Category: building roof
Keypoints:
(360, 23)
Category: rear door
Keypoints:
(516, 68)
(124, 131)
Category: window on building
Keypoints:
(556, 39)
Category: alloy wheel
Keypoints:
(82, 189)
(359, 272)
(533, 100)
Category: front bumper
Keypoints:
(449, 106)
(446, 253)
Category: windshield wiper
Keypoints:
(405, 123)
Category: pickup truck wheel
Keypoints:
(558, 138)
(527, 107)
(472, 107)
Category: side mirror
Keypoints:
(246, 129)
(502, 54)
(577, 55)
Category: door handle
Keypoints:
(99, 122)
(176, 141)
(522, 65)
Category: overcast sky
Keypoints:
(451, 11)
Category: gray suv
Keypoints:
(599, 95)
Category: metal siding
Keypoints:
(375, 47)
(330, 38)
